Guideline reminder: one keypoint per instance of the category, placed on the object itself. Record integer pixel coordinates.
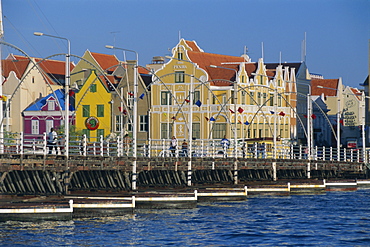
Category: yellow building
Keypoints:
(265, 93)
(93, 107)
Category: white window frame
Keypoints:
(35, 127)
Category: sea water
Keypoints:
(327, 219)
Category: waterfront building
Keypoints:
(118, 77)
(214, 93)
(93, 106)
(46, 113)
(348, 102)
(26, 81)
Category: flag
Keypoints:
(71, 93)
(212, 119)
(272, 112)
(341, 121)
(231, 111)
(120, 109)
(313, 116)
(239, 121)
(174, 118)
(124, 112)
(131, 94)
(164, 114)
(142, 96)
(305, 116)
(282, 114)
(246, 123)
(198, 103)
(207, 118)
(240, 110)
(187, 100)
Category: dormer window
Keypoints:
(179, 55)
(51, 105)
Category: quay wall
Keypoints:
(55, 175)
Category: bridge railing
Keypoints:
(19, 143)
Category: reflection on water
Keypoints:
(330, 219)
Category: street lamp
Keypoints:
(66, 93)
(190, 116)
(134, 121)
(338, 121)
(235, 110)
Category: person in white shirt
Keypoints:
(173, 145)
(52, 141)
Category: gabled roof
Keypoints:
(37, 106)
(52, 68)
(105, 61)
(328, 84)
(204, 60)
(193, 46)
(18, 66)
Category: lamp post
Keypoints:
(235, 109)
(66, 93)
(134, 121)
(338, 121)
(191, 98)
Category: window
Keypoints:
(219, 130)
(196, 96)
(93, 88)
(179, 76)
(166, 98)
(35, 127)
(179, 55)
(259, 98)
(243, 97)
(166, 130)
(85, 111)
(118, 123)
(51, 105)
(242, 78)
(196, 130)
(86, 132)
(279, 100)
(100, 132)
(252, 98)
(144, 125)
(271, 99)
(130, 100)
(100, 111)
(48, 124)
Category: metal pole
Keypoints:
(134, 120)
(363, 128)
(338, 129)
(66, 93)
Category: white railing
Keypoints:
(82, 145)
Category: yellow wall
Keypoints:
(101, 97)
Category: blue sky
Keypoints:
(337, 30)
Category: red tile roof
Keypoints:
(143, 70)
(53, 66)
(330, 87)
(18, 66)
(193, 45)
(105, 61)
(204, 60)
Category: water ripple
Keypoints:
(331, 219)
